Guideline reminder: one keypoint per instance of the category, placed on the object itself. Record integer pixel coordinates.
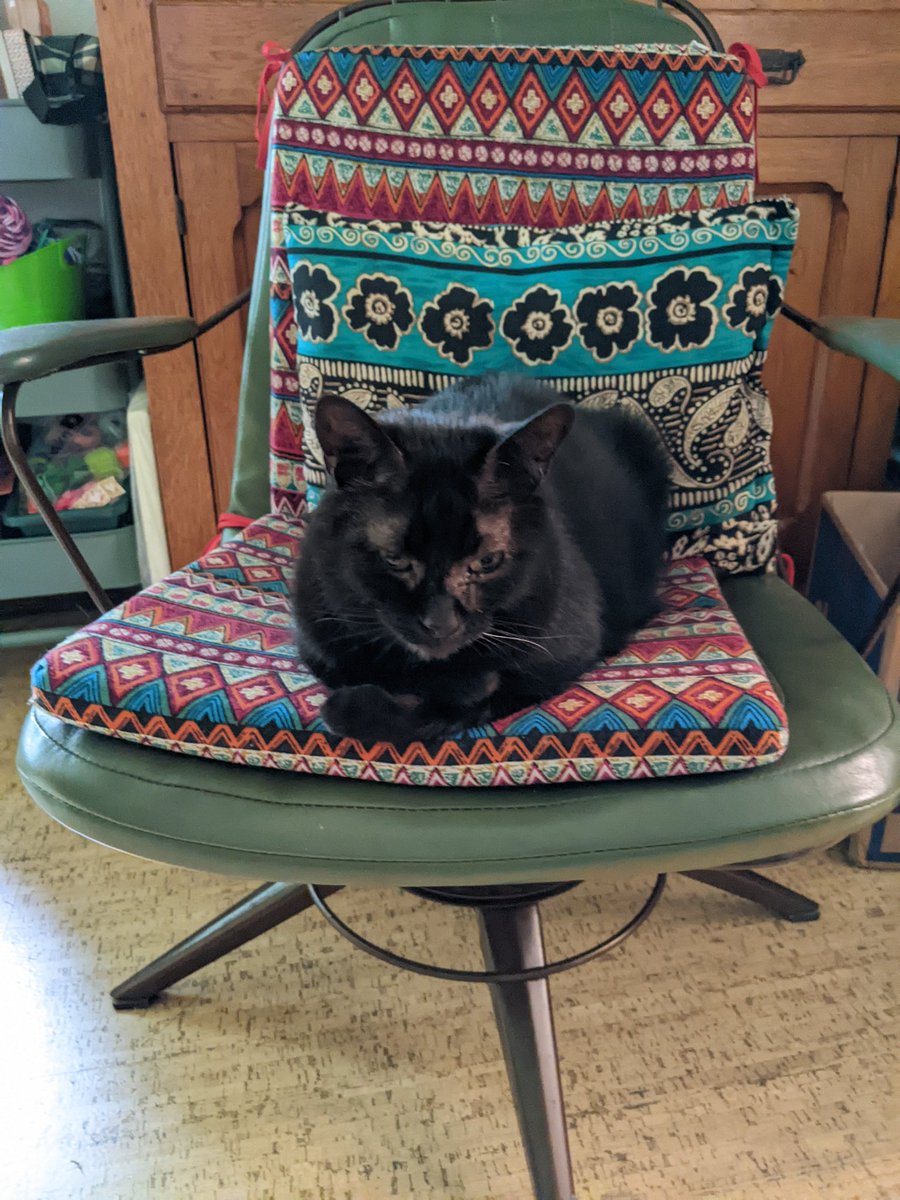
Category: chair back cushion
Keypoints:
(487, 136)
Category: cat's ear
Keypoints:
(355, 447)
(520, 461)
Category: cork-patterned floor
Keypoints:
(721, 1054)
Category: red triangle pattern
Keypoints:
(217, 639)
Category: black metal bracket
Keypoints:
(696, 17)
(491, 898)
(781, 67)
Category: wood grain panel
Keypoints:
(851, 287)
(209, 183)
(157, 270)
(789, 369)
(807, 6)
(856, 70)
(878, 409)
(812, 172)
(841, 186)
(195, 41)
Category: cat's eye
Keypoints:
(488, 563)
(399, 564)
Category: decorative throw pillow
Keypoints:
(670, 317)
(491, 136)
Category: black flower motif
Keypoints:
(608, 318)
(313, 288)
(680, 314)
(380, 308)
(754, 299)
(457, 323)
(538, 326)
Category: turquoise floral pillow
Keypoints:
(670, 317)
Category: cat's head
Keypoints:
(441, 523)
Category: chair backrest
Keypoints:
(419, 22)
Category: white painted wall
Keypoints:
(72, 16)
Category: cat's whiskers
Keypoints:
(512, 638)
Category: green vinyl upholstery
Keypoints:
(840, 773)
(506, 23)
(875, 340)
(33, 351)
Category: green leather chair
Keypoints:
(501, 851)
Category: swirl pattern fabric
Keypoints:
(542, 138)
(669, 317)
(204, 664)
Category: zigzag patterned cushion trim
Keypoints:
(203, 664)
(526, 136)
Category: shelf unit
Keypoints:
(35, 567)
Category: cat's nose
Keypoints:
(441, 619)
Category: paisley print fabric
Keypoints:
(669, 317)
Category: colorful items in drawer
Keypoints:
(71, 455)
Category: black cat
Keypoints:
(474, 555)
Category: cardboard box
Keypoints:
(857, 557)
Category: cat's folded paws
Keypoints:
(368, 712)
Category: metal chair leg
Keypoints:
(510, 940)
(9, 435)
(750, 885)
(257, 913)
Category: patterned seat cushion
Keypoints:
(203, 663)
(495, 135)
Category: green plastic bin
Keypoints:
(41, 287)
(19, 522)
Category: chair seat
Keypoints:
(841, 771)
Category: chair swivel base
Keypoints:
(273, 903)
(516, 969)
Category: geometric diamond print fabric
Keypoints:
(203, 663)
(537, 137)
(503, 135)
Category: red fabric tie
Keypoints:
(226, 521)
(276, 56)
(749, 56)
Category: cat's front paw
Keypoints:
(368, 712)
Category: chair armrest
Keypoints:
(875, 340)
(33, 351)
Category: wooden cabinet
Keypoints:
(842, 187)
(182, 76)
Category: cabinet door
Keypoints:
(220, 189)
(842, 188)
